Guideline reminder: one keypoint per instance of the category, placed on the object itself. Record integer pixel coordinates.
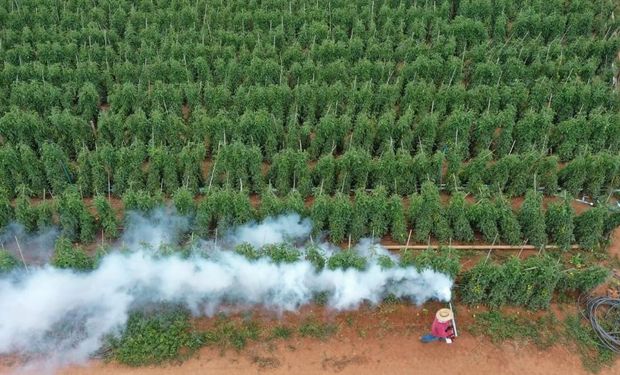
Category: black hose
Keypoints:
(603, 313)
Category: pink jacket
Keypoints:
(442, 329)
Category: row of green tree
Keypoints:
(531, 282)
(416, 129)
(337, 31)
(559, 110)
(113, 171)
(376, 214)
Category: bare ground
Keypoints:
(382, 340)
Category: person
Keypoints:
(442, 329)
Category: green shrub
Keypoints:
(475, 284)
(106, 216)
(7, 262)
(317, 330)
(184, 202)
(345, 259)
(315, 256)
(67, 256)
(582, 280)
(281, 332)
(281, 253)
(248, 251)
(444, 260)
(155, 337)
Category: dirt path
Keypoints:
(369, 341)
(361, 356)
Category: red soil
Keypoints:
(369, 341)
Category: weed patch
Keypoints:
(318, 330)
(593, 356)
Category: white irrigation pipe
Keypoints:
(474, 247)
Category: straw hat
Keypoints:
(444, 315)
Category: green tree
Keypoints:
(426, 213)
(457, 218)
(75, 220)
(483, 215)
(45, 214)
(354, 170)
(10, 170)
(346, 259)
(239, 166)
(6, 210)
(589, 227)
(379, 214)
(68, 256)
(25, 214)
(289, 170)
(223, 208)
(184, 202)
(473, 174)
(532, 220)
(140, 200)
(106, 218)
(33, 172)
(190, 166)
(397, 219)
(56, 165)
(102, 165)
(509, 228)
(84, 172)
(7, 262)
(573, 176)
(559, 223)
(320, 213)
(325, 174)
(478, 282)
(339, 218)
(88, 101)
(128, 174)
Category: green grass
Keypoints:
(594, 357)
(318, 330)
(499, 327)
(281, 332)
(228, 334)
(544, 332)
(155, 337)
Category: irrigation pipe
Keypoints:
(474, 247)
(603, 313)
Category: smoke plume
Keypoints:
(64, 315)
(35, 248)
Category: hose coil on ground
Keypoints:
(603, 313)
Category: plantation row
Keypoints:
(212, 41)
(373, 214)
(234, 43)
(109, 170)
(530, 282)
(458, 77)
(463, 132)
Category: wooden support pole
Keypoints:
(21, 254)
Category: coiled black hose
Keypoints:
(603, 313)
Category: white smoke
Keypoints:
(65, 315)
(272, 230)
(35, 248)
(160, 226)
